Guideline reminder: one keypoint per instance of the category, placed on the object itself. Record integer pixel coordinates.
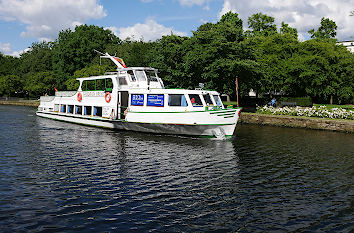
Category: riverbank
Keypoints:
(30, 103)
(346, 126)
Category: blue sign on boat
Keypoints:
(137, 99)
(155, 100)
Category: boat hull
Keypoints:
(224, 130)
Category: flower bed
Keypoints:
(321, 111)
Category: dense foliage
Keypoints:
(266, 59)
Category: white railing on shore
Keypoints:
(65, 93)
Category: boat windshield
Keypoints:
(208, 100)
(151, 76)
(140, 75)
(132, 76)
(217, 100)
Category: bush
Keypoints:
(300, 101)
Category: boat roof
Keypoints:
(137, 68)
(115, 73)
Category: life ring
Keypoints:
(108, 97)
(79, 97)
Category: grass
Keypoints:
(330, 106)
(226, 103)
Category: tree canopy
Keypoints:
(327, 30)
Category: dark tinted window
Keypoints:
(207, 99)
(195, 100)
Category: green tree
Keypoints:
(134, 53)
(327, 30)
(216, 56)
(10, 85)
(93, 70)
(261, 24)
(287, 30)
(74, 50)
(168, 56)
(37, 59)
(273, 53)
(8, 65)
(322, 70)
(40, 83)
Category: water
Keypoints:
(60, 177)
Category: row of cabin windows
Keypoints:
(174, 100)
(97, 85)
(81, 110)
(107, 84)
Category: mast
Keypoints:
(116, 60)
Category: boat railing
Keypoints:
(65, 93)
(111, 72)
(46, 98)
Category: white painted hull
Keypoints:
(225, 128)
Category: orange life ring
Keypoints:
(79, 97)
(108, 97)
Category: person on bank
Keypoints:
(273, 102)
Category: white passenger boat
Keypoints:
(135, 99)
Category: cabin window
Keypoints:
(109, 84)
(71, 109)
(100, 85)
(140, 75)
(63, 108)
(97, 85)
(78, 110)
(89, 85)
(217, 100)
(151, 76)
(177, 100)
(97, 111)
(195, 100)
(208, 100)
(137, 99)
(56, 107)
(155, 100)
(87, 110)
(122, 81)
(132, 76)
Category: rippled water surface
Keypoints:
(61, 177)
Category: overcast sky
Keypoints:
(25, 21)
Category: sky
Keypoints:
(23, 22)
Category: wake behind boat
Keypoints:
(135, 99)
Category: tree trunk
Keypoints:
(331, 100)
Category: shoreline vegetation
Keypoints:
(339, 125)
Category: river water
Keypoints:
(61, 177)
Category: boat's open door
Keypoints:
(122, 103)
